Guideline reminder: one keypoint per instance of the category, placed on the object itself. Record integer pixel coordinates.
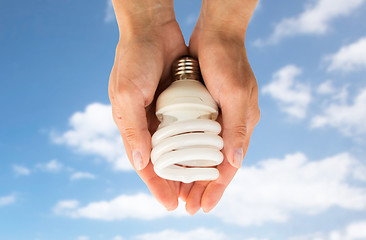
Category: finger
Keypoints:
(184, 190)
(215, 189)
(193, 203)
(130, 117)
(164, 191)
(235, 131)
(175, 185)
(160, 188)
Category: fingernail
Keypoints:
(238, 157)
(137, 160)
(169, 209)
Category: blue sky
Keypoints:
(63, 173)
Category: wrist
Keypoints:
(230, 18)
(142, 18)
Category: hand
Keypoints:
(144, 54)
(230, 80)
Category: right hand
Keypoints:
(142, 65)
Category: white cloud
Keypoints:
(83, 238)
(139, 206)
(6, 200)
(293, 96)
(65, 207)
(94, 132)
(82, 175)
(349, 58)
(354, 231)
(109, 12)
(53, 166)
(315, 19)
(197, 234)
(326, 88)
(270, 191)
(275, 189)
(350, 119)
(21, 170)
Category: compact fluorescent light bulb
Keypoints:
(186, 146)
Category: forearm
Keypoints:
(227, 16)
(139, 17)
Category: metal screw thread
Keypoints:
(186, 67)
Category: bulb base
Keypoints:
(186, 67)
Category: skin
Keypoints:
(150, 40)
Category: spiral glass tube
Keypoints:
(186, 146)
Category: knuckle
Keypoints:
(130, 134)
(128, 94)
(241, 131)
(121, 87)
(122, 92)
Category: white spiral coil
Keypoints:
(186, 146)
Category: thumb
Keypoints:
(236, 134)
(129, 114)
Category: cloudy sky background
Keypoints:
(63, 172)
